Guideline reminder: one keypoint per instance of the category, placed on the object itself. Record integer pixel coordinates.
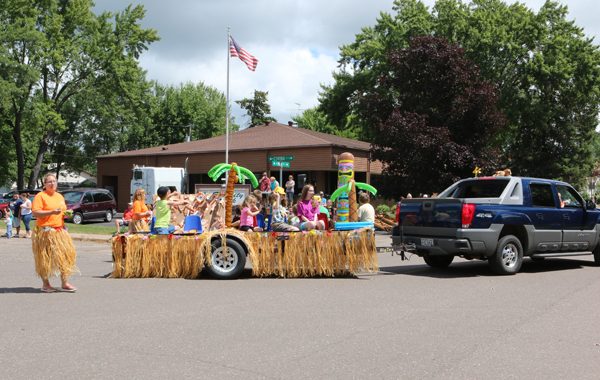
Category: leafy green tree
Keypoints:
(316, 120)
(197, 105)
(52, 51)
(433, 115)
(257, 108)
(546, 70)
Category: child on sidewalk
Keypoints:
(249, 211)
(162, 210)
(8, 219)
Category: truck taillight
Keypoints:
(398, 213)
(468, 212)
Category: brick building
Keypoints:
(314, 158)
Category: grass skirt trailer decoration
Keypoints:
(326, 254)
(166, 256)
(299, 255)
(53, 252)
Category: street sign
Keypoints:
(281, 164)
(281, 158)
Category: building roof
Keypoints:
(272, 135)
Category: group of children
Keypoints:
(309, 213)
(137, 216)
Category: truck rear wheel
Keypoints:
(226, 262)
(438, 261)
(597, 256)
(509, 256)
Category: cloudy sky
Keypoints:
(296, 42)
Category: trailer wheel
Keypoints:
(438, 261)
(226, 262)
(508, 257)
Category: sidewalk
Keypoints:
(92, 238)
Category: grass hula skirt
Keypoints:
(314, 254)
(53, 252)
(164, 256)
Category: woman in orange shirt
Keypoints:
(53, 248)
(141, 214)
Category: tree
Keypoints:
(197, 105)
(52, 51)
(257, 108)
(433, 115)
(316, 120)
(544, 67)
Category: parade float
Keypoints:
(205, 239)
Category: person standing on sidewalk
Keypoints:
(26, 213)
(8, 220)
(290, 185)
(15, 205)
(53, 249)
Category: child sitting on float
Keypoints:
(162, 210)
(249, 211)
(308, 212)
(127, 215)
(279, 213)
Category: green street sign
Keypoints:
(281, 158)
(283, 164)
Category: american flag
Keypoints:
(236, 51)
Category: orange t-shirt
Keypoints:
(45, 202)
(139, 207)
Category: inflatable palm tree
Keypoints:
(236, 173)
(350, 189)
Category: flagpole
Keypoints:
(227, 105)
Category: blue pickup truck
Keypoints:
(499, 219)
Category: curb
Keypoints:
(92, 238)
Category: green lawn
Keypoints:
(90, 229)
(73, 228)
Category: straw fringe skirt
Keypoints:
(320, 254)
(53, 252)
(144, 256)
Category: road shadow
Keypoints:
(247, 275)
(555, 264)
(481, 268)
(20, 290)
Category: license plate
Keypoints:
(426, 242)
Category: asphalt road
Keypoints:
(408, 321)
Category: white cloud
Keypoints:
(296, 41)
(290, 75)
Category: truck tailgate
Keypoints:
(431, 216)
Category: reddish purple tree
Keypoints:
(433, 117)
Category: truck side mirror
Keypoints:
(590, 205)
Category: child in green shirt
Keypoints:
(162, 210)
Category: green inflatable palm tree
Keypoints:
(236, 173)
